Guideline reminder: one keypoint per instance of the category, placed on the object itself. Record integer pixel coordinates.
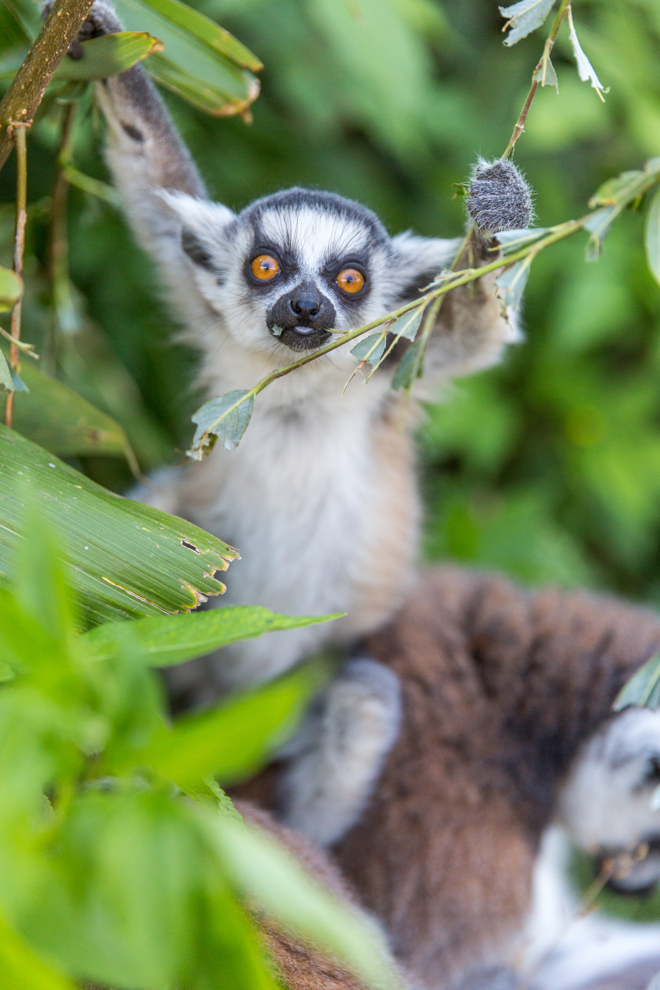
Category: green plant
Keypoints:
(122, 861)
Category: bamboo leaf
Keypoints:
(524, 17)
(207, 31)
(199, 63)
(11, 289)
(127, 560)
(652, 236)
(108, 55)
(643, 688)
(225, 418)
(169, 640)
(65, 423)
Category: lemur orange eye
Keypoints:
(264, 267)
(350, 280)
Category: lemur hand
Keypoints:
(499, 198)
(101, 20)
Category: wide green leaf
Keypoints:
(192, 64)
(233, 740)
(62, 421)
(11, 289)
(207, 31)
(108, 55)
(268, 874)
(126, 559)
(22, 969)
(643, 688)
(169, 640)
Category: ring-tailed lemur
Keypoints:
(320, 497)
(502, 727)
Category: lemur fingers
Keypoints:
(340, 751)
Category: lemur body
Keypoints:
(320, 496)
(503, 726)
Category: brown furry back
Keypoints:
(500, 688)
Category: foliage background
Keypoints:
(547, 467)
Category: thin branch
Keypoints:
(23, 97)
(19, 134)
(564, 8)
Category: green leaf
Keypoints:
(652, 235)
(408, 324)
(643, 688)
(6, 379)
(265, 872)
(127, 559)
(233, 740)
(599, 223)
(11, 289)
(163, 642)
(407, 369)
(225, 419)
(207, 31)
(22, 969)
(370, 349)
(511, 283)
(60, 420)
(108, 55)
(192, 65)
(524, 17)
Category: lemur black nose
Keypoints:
(307, 304)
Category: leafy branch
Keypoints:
(226, 417)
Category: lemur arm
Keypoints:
(472, 327)
(147, 159)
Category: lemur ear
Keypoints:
(418, 260)
(202, 227)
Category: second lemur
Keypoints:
(320, 498)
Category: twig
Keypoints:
(19, 136)
(23, 97)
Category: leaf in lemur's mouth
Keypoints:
(276, 331)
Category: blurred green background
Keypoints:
(547, 467)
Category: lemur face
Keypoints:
(294, 266)
(607, 801)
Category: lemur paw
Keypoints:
(101, 20)
(499, 198)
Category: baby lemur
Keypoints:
(320, 497)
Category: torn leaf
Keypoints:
(524, 17)
(586, 71)
(598, 224)
(408, 368)
(370, 349)
(511, 283)
(652, 236)
(408, 324)
(225, 419)
(546, 74)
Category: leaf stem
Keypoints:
(19, 137)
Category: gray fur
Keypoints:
(500, 198)
(339, 751)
